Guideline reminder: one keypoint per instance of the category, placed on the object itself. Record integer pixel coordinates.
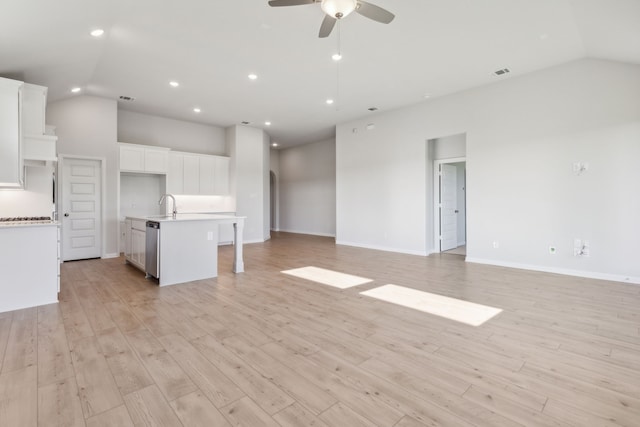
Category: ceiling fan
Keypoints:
(338, 9)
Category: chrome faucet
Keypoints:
(175, 208)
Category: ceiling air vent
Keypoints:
(373, 109)
(244, 122)
(501, 72)
(127, 98)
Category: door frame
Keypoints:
(436, 199)
(103, 196)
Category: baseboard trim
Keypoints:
(112, 255)
(563, 271)
(310, 233)
(383, 248)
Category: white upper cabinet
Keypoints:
(11, 170)
(143, 158)
(34, 105)
(197, 174)
(221, 176)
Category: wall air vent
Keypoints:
(501, 72)
(127, 98)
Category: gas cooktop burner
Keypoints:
(25, 218)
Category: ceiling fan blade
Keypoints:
(277, 3)
(374, 12)
(327, 25)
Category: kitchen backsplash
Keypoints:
(35, 200)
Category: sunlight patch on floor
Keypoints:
(450, 308)
(327, 277)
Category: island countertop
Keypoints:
(187, 217)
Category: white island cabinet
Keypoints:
(188, 246)
(29, 265)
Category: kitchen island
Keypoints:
(186, 247)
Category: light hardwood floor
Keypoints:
(267, 349)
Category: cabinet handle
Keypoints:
(66, 214)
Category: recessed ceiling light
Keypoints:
(174, 83)
(76, 89)
(267, 123)
(336, 57)
(275, 144)
(97, 32)
(329, 101)
(427, 96)
(196, 110)
(252, 76)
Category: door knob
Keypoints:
(66, 214)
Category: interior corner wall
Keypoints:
(145, 129)
(523, 135)
(308, 188)
(249, 169)
(87, 126)
(274, 166)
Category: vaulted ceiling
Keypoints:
(432, 48)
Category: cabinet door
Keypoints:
(155, 160)
(138, 242)
(175, 174)
(207, 175)
(131, 158)
(10, 133)
(221, 178)
(127, 239)
(191, 164)
(33, 109)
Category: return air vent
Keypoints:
(127, 98)
(501, 72)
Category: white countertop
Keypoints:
(186, 217)
(15, 224)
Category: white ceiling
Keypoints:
(432, 47)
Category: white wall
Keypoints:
(249, 169)
(86, 126)
(140, 193)
(34, 200)
(522, 136)
(308, 188)
(137, 128)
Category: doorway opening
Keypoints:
(450, 213)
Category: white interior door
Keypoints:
(448, 207)
(81, 209)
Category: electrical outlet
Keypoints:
(209, 235)
(552, 250)
(496, 244)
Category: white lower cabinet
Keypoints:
(135, 242)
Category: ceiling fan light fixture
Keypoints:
(338, 8)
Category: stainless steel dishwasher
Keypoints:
(152, 250)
